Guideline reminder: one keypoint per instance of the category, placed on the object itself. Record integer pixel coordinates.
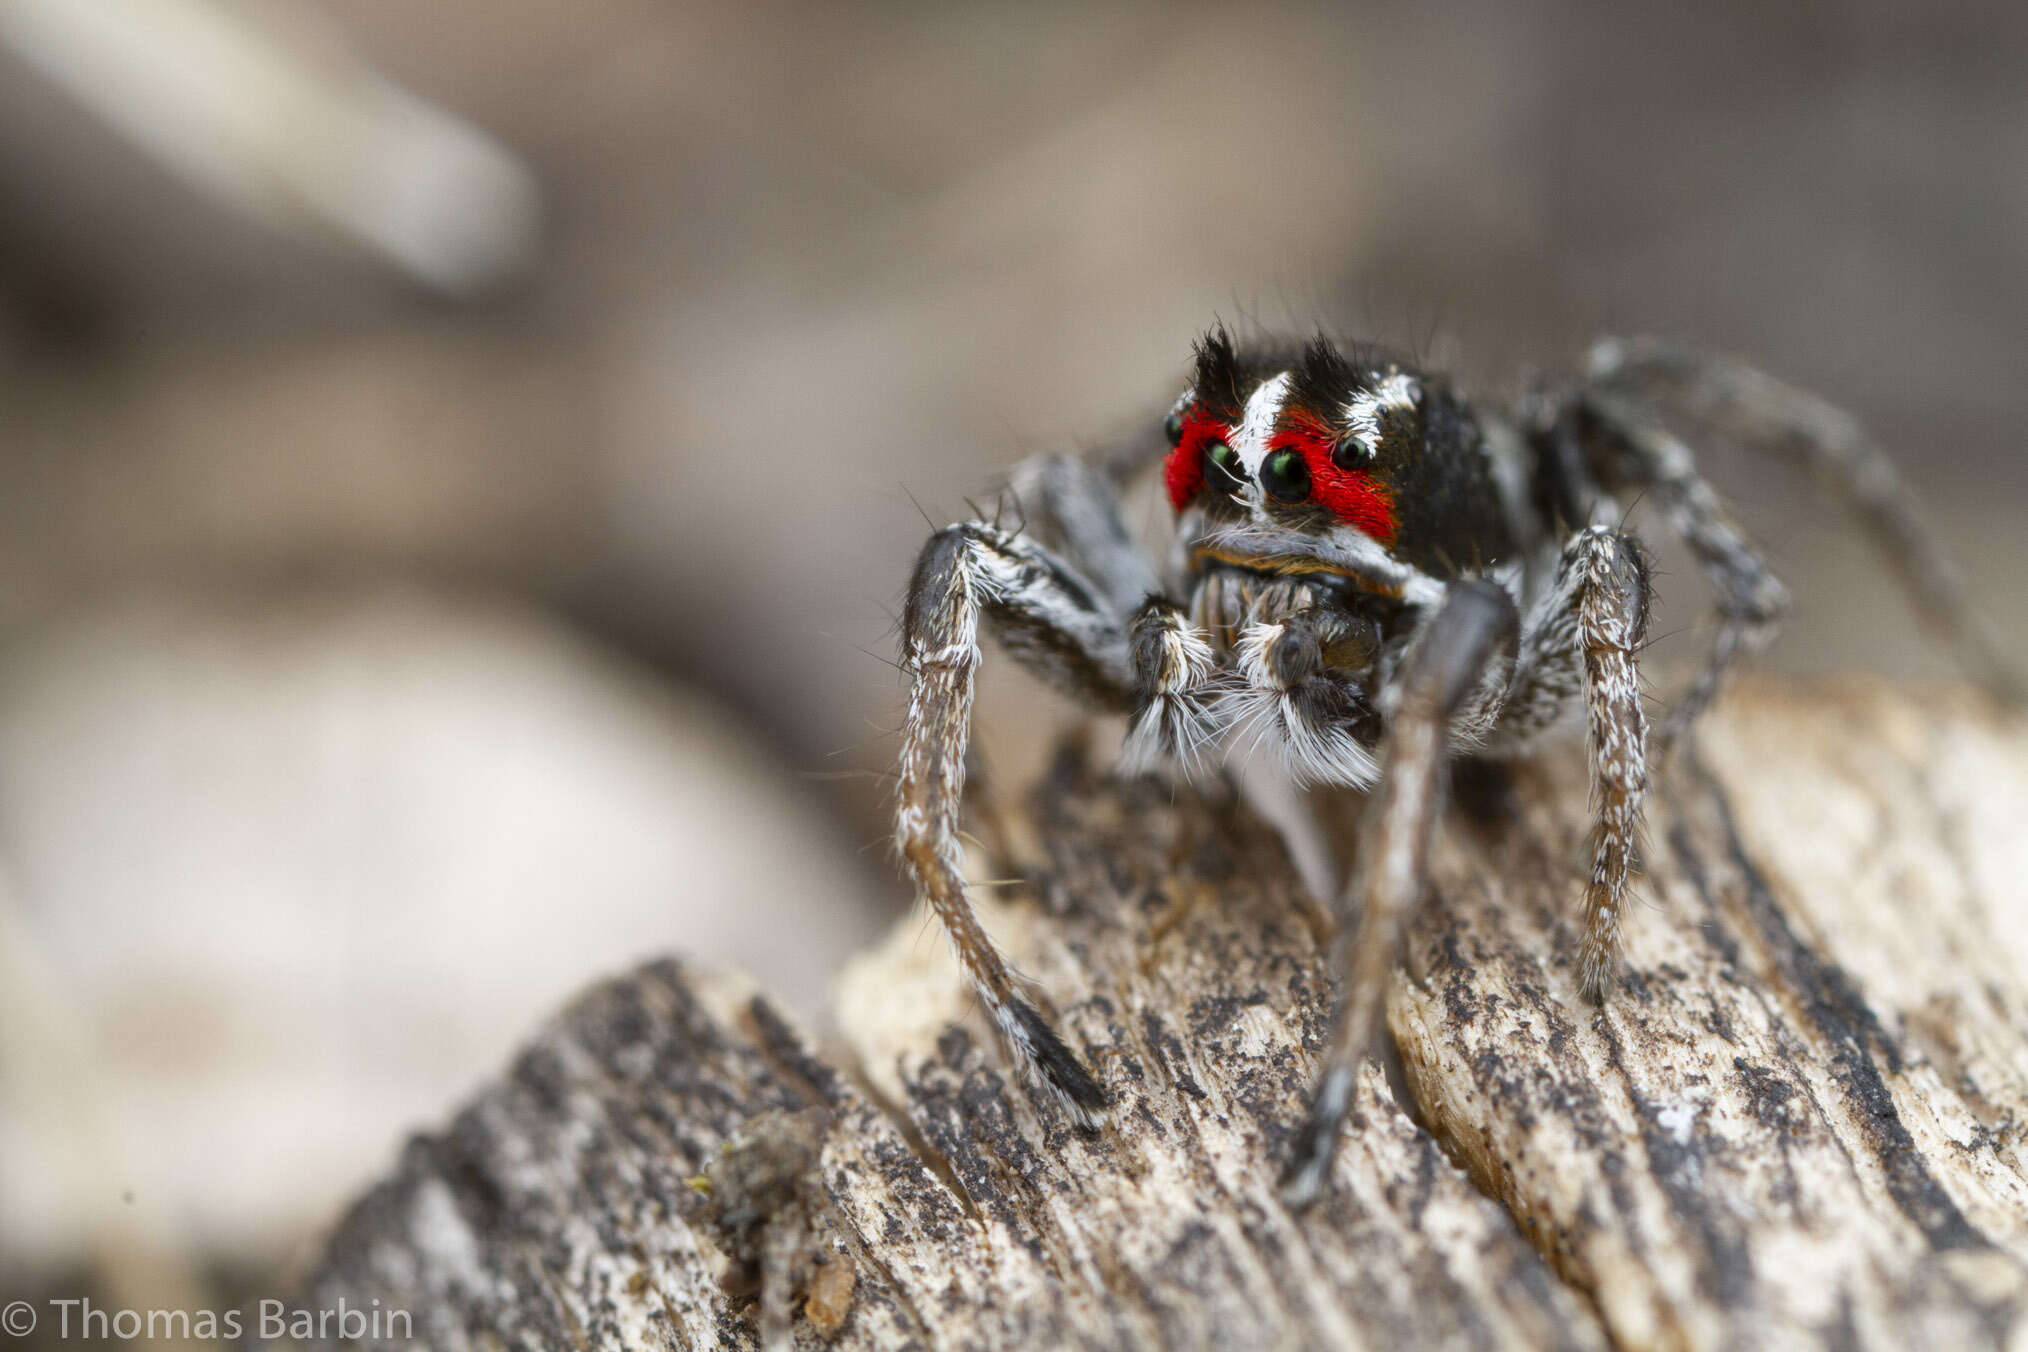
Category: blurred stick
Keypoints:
(310, 146)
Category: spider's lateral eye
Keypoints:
(1286, 476)
(1172, 428)
(1351, 453)
(1223, 470)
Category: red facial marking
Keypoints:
(1183, 472)
(1353, 496)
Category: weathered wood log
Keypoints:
(1799, 1121)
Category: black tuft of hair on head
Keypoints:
(1323, 380)
(1217, 376)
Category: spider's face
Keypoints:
(1297, 466)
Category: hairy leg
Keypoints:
(1629, 450)
(1446, 665)
(1070, 508)
(1611, 607)
(1762, 413)
(1582, 637)
(1047, 616)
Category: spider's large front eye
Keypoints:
(1286, 476)
(1222, 468)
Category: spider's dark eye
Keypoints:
(1351, 453)
(1172, 428)
(1286, 476)
(1222, 468)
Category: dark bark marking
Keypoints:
(1847, 1024)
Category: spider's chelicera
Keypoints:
(1371, 575)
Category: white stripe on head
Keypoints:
(1392, 392)
(1256, 425)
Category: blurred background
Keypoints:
(459, 462)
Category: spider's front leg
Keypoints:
(1582, 636)
(1446, 668)
(1048, 616)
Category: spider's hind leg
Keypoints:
(1051, 619)
(1763, 414)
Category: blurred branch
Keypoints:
(313, 146)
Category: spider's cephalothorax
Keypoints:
(1322, 502)
(1371, 574)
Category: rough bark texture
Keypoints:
(1798, 1122)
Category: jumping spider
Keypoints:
(1380, 575)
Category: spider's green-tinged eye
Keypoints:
(1172, 428)
(1222, 468)
(1351, 453)
(1286, 476)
